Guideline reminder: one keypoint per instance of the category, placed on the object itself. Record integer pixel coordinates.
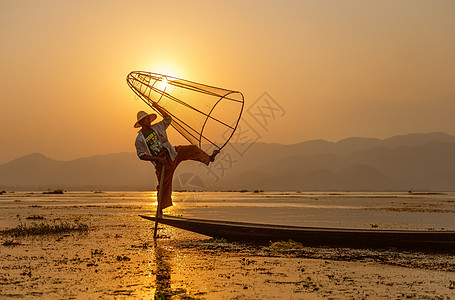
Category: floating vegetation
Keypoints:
(35, 217)
(126, 293)
(11, 243)
(245, 261)
(44, 229)
(283, 245)
(92, 265)
(217, 240)
(123, 258)
(162, 236)
(169, 293)
(58, 191)
(97, 252)
(425, 193)
(145, 245)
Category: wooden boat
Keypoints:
(315, 236)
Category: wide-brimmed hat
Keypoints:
(142, 114)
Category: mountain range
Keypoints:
(416, 162)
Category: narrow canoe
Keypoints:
(315, 236)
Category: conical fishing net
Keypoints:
(206, 116)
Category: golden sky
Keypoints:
(338, 68)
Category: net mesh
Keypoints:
(206, 116)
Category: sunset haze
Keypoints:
(337, 68)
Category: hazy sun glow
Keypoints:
(162, 85)
(165, 69)
(164, 81)
(337, 69)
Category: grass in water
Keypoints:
(217, 240)
(283, 245)
(10, 243)
(43, 229)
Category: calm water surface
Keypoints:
(118, 258)
(326, 209)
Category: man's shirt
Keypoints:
(160, 130)
(153, 142)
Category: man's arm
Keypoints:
(167, 119)
(160, 110)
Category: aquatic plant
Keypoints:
(35, 217)
(97, 252)
(44, 229)
(10, 243)
(123, 258)
(217, 240)
(145, 245)
(58, 191)
(285, 245)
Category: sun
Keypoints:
(162, 83)
(164, 80)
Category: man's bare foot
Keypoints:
(214, 153)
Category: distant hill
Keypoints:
(111, 171)
(407, 162)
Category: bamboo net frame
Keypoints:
(206, 116)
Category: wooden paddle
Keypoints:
(159, 196)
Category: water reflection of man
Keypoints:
(153, 145)
(163, 273)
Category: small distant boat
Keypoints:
(315, 236)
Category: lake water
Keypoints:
(324, 209)
(118, 258)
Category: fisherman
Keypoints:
(153, 145)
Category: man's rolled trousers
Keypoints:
(189, 152)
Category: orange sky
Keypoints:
(338, 68)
